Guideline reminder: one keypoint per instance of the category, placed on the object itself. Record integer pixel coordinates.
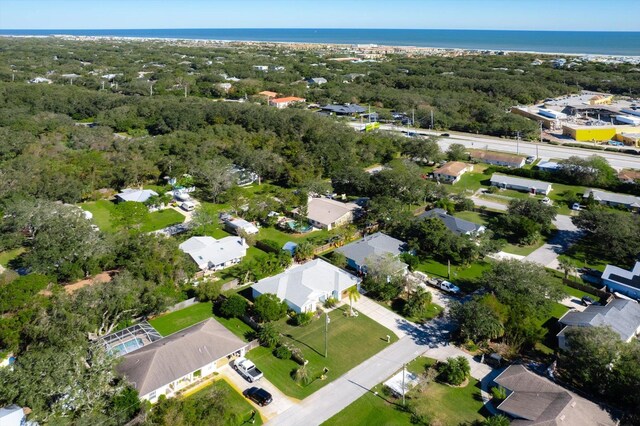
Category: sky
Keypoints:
(559, 15)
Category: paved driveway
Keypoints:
(280, 404)
(566, 235)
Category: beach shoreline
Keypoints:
(354, 47)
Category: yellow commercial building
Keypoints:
(602, 133)
(601, 100)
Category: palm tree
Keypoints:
(567, 265)
(354, 295)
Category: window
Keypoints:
(152, 395)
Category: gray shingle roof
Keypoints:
(522, 182)
(177, 355)
(372, 245)
(456, 225)
(344, 109)
(537, 401)
(623, 316)
(137, 195)
(612, 197)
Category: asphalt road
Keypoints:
(540, 150)
(567, 234)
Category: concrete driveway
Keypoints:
(280, 404)
(566, 235)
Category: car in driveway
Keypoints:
(586, 301)
(247, 369)
(447, 286)
(258, 395)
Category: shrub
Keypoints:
(234, 306)
(498, 420)
(330, 303)
(302, 375)
(282, 352)
(207, 291)
(269, 307)
(455, 370)
(297, 355)
(492, 189)
(302, 318)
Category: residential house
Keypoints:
(135, 195)
(213, 255)
(346, 109)
(613, 199)
(623, 316)
(263, 68)
(537, 401)
(454, 224)
(305, 287)
(497, 158)
(38, 80)
(324, 213)
(531, 186)
(179, 360)
(451, 171)
(281, 103)
(316, 81)
(268, 94)
(620, 280)
(370, 247)
(224, 86)
(13, 415)
(240, 225)
(629, 176)
(548, 166)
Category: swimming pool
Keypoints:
(128, 346)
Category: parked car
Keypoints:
(247, 369)
(586, 301)
(530, 159)
(445, 135)
(448, 287)
(576, 206)
(546, 201)
(259, 396)
(188, 206)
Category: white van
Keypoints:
(188, 206)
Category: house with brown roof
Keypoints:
(281, 103)
(325, 213)
(536, 401)
(170, 364)
(268, 94)
(451, 171)
(629, 176)
(497, 158)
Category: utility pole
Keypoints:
(102, 84)
(13, 76)
(540, 132)
(431, 120)
(151, 86)
(518, 142)
(185, 90)
(326, 334)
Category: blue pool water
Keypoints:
(128, 346)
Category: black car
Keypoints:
(445, 135)
(586, 301)
(259, 396)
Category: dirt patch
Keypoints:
(103, 277)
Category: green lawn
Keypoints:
(352, 340)
(550, 341)
(281, 237)
(462, 276)
(9, 255)
(583, 256)
(161, 219)
(397, 306)
(475, 217)
(448, 405)
(178, 320)
(104, 211)
(522, 250)
(237, 409)
(472, 181)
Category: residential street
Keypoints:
(430, 340)
(567, 235)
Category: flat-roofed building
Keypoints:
(521, 184)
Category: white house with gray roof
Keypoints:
(213, 255)
(369, 247)
(304, 287)
(521, 184)
(324, 213)
(136, 195)
(454, 224)
(612, 199)
(623, 281)
(623, 316)
(172, 363)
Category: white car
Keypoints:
(576, 206)
(188, 206)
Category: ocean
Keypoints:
(573, 42)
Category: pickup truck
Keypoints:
(447, 286)
(247, 369)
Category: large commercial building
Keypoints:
(623, 133)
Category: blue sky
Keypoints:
(621, 15)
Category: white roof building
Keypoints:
(305, 286)
(325, 213)
(136, 195)
(12, 415)
(237, 225)
(212, 255)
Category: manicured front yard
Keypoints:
(448, 405)
(178, 320)
(9, 255)
(238, 410)
(550, 342)
(161, 219)
(462, 276)
(102, 211)
(522, 250)
(352, 340)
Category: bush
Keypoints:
(330, 303)
(492, 189)
(234, 306)
(207, 291)
(282, 352)
(302, 375)
(302, 318)
(297, 355)
(269, 307)
(268, 335)
(499, 393)
(455, 370)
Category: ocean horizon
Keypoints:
(614, 43)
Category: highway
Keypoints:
(539, 150)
